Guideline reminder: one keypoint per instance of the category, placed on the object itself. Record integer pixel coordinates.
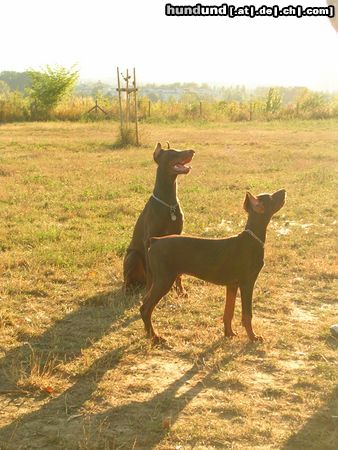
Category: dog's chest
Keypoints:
(175, 224)
(164, 220)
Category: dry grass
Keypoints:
(75, 368)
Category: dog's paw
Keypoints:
(256, 338)
(230, 334)
(158, 341)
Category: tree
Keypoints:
(17, 81)
(49, 87)
(4, 88)
(273, 101)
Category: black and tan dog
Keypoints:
(162, 214)
(234, 262)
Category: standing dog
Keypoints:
(162, 214)
(234, 262)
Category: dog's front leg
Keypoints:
(229, 309)
(246, 289)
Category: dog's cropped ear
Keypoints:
(253, 202)
(157, 152)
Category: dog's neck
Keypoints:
(165, 187)
(257, 227)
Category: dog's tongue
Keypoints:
(182, 168)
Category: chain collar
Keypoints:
(172, 208)
(255, 237)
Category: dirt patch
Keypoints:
(160, 372)
(300, 315)
(262, 378)
(292, 364)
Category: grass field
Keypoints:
(76, 370)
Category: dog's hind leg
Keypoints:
(133, 270)
(148, 273)
(158, 290)
(179, 288)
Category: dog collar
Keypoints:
(172, 208)
(255, 237)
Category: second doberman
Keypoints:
(234, 262)
(162, 214)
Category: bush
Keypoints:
(49, 87)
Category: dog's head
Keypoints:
(173, 162)
(264, 206)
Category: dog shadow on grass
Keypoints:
(144, 424)
(62, 422)
(136, 424)
(63, 341)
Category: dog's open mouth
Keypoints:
(181, 167)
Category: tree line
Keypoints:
(56, 93)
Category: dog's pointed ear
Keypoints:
(253, 202)
(168, 145)
(157, 152)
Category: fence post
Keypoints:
(136, 112)
(251, 111)
(127, 99)
(120, 100)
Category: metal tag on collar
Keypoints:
(172, 213)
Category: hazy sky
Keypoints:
(100, 34)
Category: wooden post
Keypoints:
(120, 100)
(200, 109)
(127, 99)
(126, 116)
(136, 115)
(149, 107)
(251, 111)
